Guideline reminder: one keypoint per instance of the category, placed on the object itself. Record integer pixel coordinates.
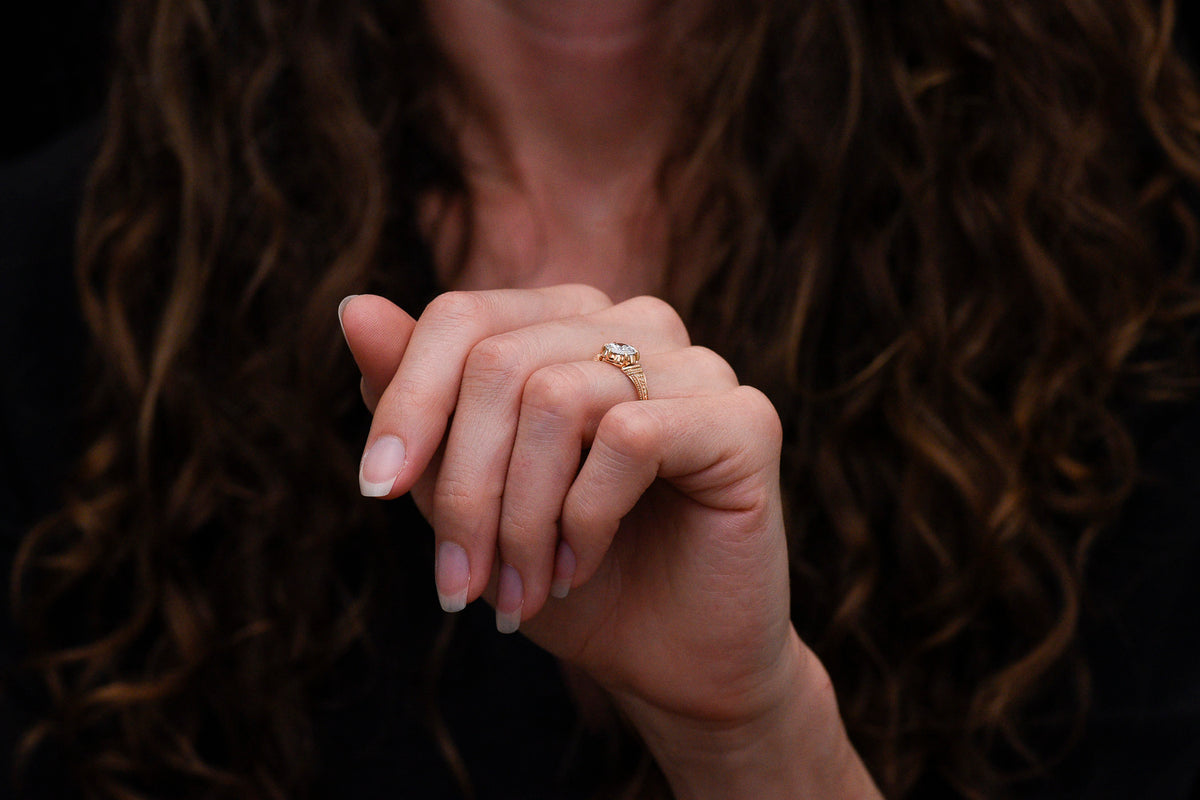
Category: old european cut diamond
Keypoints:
(622, 351)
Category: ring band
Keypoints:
(626, 358)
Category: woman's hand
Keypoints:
(658, 564)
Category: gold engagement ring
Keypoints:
(626, 358)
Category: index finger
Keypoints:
(377, 332)
(411, 417)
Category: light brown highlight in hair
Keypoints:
(952, 240)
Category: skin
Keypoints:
(659, 565)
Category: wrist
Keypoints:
(791, 743)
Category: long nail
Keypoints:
(380, 466)
(452, 573)
(564, 570)
(510, 597)
(342, 310)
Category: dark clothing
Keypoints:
(504, 699)
(1141, 632)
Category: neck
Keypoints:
(563, 112)
(576, 87)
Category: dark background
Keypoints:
(54, 57)
(53, 62)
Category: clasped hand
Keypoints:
(640, 540)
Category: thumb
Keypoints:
(377, 332)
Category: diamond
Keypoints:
(618, 349)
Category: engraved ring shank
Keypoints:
(626, 358)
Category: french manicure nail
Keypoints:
(342, 310)
(452, 573)
(564, 570)
(380, 466)
(510, 596)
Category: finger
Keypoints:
(377, 332)
(561, 407)
(413, 410)
(722, 451)
(467, 500)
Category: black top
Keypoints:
(504, 699)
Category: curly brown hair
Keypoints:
(952, 240)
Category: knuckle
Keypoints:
(590, 296)
(519, 537)
(579, 517)
(762, 415)
(663, 314)
(414, 395)
(715, 369)
(458, 307)
(651, 305)
(455, 500)
(587, 520)
(554, 390)
(629, 429)
(497, 356)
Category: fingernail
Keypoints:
(452, 573)
(510, 596)
(564, 570)
(380, 466)
(342, 310)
